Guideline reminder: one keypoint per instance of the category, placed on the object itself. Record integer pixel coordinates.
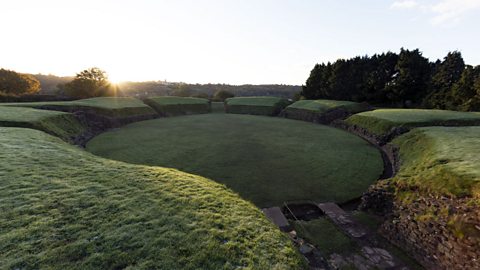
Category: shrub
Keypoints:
(13, 83)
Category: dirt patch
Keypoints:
(301, 211)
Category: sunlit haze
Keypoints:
(226, 41)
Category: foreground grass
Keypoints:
(106, 106)
(266, 160)
(441, 160)
(63, 208)
(63, 125)
(381, 121)
(255, 105)
(172, 106)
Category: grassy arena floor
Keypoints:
(266, 160)
(63, 208)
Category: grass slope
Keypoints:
(172, 106)
(266, 160)
(61, 124)
(325, 236)
(441, 160)
(381, 121)
(63, 208)
(324, 105)
(106, 106)
(255, 105)
(317, 110)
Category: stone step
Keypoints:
(275, 215)
(343, 220)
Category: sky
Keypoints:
(226, 41)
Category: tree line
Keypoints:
(406, 79)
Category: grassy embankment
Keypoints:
(116, 107)
(256, 105)
(380, 122)
(173, 106)
(311, 109)
(63, 208)
(60, 124)
(441, 160)
(266, 160)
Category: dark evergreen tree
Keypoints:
(444, 77)
(381, 71)
(463, 90)
(410, 81)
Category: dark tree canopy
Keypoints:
(92, 82)
(13, 83)
(404, 79)
(221, 95)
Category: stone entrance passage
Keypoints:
(371, 254)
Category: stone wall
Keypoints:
(439, 232)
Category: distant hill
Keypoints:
(160, 88)
(50, 82)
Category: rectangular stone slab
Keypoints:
(275, 215)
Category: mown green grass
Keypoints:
(381, 121)
(63, 208)
(325, 236)
(172, 106)
(324, 105)
(255, 105)
(106, 106)
(266, 160)
(441, 160)
(61, 124)
(218, 107)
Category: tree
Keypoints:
(463, 90)
(92, 82)
(183, 90)
(221, 95)
(317, 85)
(411, 78)
(13, 83)
(473, 103)
(445, 76)
(382, 71)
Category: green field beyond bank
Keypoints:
(266, 160)
(172, 106)
(107, 106)
(61, 124)
(63, 208)
(382, 121)
(441, 160)
(256, 105)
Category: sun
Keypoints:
(115, 79)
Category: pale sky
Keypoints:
(226, 41)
